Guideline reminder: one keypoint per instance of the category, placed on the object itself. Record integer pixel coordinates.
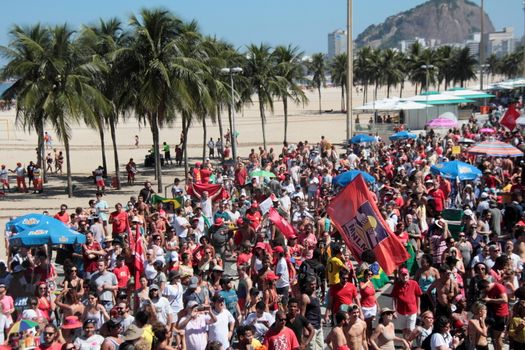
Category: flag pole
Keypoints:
(350, 72)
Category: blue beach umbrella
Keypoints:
(402, 135)
(456, 170)
(347, 177)
(38, 229)
(362, 138)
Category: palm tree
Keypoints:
(263, 79)
(70, 95)
(317, 68)
(289, 67)
(104, 44)
(445, 69)
(362, 69)
(511, 64)
(391, 70)
(493, 66)
(26, 61)
(421, 75)
(338, 71)
(463, 66)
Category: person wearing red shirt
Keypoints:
(122, 273)
(444, 185)
(342, 293)
(240, 175)
(490, 180)
(439, 198)
(119, 221)
(254, 216)
(91, 251)
(369, 304)
(406, 296)
(62, 215)
(280, 337)
(497, 302)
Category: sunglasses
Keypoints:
(281, 319)
(49, 333)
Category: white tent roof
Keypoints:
(448, 115)
(391, 104)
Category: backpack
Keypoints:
(306, 270)
(425, 345)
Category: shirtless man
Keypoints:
(355, 330)
(336, 339)
(446, 290)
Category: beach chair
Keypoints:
(454, 219)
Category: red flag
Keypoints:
(509, 118)
(284, 226)
(139, 257)
(355, 214)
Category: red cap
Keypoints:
(219, 221)
(240, 221)
(271, 276)
(255, 204)
(403, 270)
(260, 245)
(278, 249)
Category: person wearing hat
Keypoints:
(229, 294)
(173, 292)
(69, 328)
(195, 293)
(196, 321)
(160, 278)
(384, 334)
(161, 305)
(282, 285)
(406, 296)
(222, 329)
(131, 337)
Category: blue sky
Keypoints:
(304, 23)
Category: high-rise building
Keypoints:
(499, 43)
(336, 43)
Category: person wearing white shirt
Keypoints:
(222, 329)
(173, 292)
(161, 305)
(180, 224)
(282, 285)
(260, 320)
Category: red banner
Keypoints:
(355, 214)
(211, 188)
(282, 225)
(509, 118)
(139, 257)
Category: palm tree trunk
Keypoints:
(41, 154)
(100, 127)
(219, 119)
(115, 151)
(68, 168)
(204, 136)
(343, 98)
(185, 123)
(388, 91)
(155, 133)
(285, 108)
(401, 86)
(319, 92)
(263, 118)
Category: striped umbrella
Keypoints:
(495, 149)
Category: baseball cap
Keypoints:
(194, 282)
(216, 298)
(278, 249)
(403, 271)
(192, 304)
(154, 287)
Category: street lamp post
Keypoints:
(427, 68)
(233, 135)
(482, 46)
(350, 71)
(524, 38)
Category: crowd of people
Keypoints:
(208, 268)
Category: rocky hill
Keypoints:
(450, 21)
